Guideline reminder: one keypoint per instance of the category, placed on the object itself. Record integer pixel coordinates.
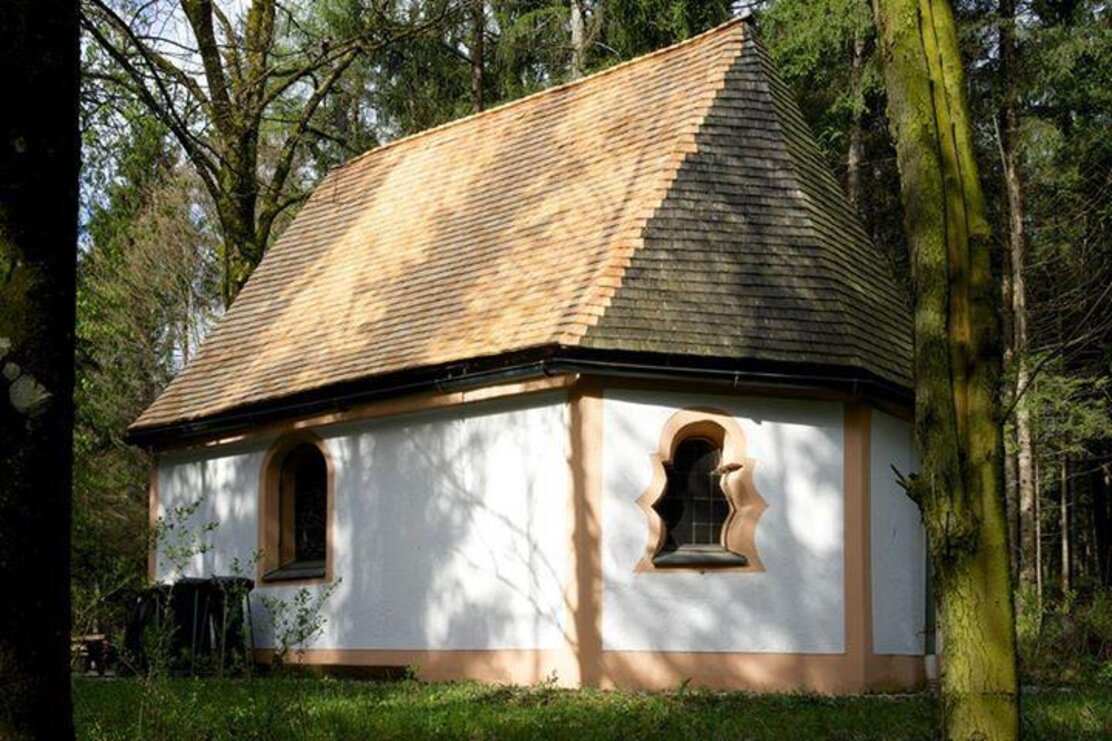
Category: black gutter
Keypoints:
(535, 363)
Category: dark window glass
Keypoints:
(693, 507)
(305, 469)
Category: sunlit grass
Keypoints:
(276, 708)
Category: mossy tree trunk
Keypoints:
(957, 367)
(39, 156)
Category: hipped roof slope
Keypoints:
(674, 204)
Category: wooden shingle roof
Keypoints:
(675, 204)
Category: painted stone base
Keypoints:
(831, 674)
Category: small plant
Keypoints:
(178, 541)
(550, 682)
(297, 621)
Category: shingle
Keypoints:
(789, 263)
(676, 196)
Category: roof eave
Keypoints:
(739, 374)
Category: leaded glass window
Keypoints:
(694, 507)
(305, 499)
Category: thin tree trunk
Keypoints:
(855, 155)
(578, 40)
(1064, 525)
(39, 159)
(1101, 498)
(1037, 528)
(478, 32)
(957, 367)
(1011, 460)
(1017, 250)
(1011, 506)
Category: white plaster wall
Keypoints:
(221, 489)
(450, 528)
(796, 605)
(898, 542)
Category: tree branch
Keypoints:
(199, 14)
(269, 209)
(231, 51)
(163, 110)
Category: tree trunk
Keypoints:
(1011, 501)
(478, 32)
(1038, 561)
(1101, 485)
(957, 368)
(1064, 525)
(242, 249)
(856, 152)
(578, 40)
(1017, 250)
(39, 158)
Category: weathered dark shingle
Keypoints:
(755, 253)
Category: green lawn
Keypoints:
(274, 708)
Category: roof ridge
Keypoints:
(582, 81)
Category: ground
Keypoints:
(281, 708)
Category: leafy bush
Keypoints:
(1069, 642)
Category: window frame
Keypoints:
(738, 534)
(275, 529)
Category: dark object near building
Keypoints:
(93, 654)
(202, 625)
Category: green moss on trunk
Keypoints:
(957, 367)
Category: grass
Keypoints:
(281, 708)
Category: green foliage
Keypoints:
(531, 49)
(325, 709)
(427, 80)
(179, 538)
(1070, 411)
(813, 44)
(635, 27)
(296, 621)
(146, 287)
(1070, 643)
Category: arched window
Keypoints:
(295, 511)
(702, 505)
(693, 507)
(304, 507)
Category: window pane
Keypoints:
(309, 475)
(693, 507)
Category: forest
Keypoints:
(204, 126)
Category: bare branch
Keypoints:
(161, 105)
(361, 43)
(269, 209)
(155, 61)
